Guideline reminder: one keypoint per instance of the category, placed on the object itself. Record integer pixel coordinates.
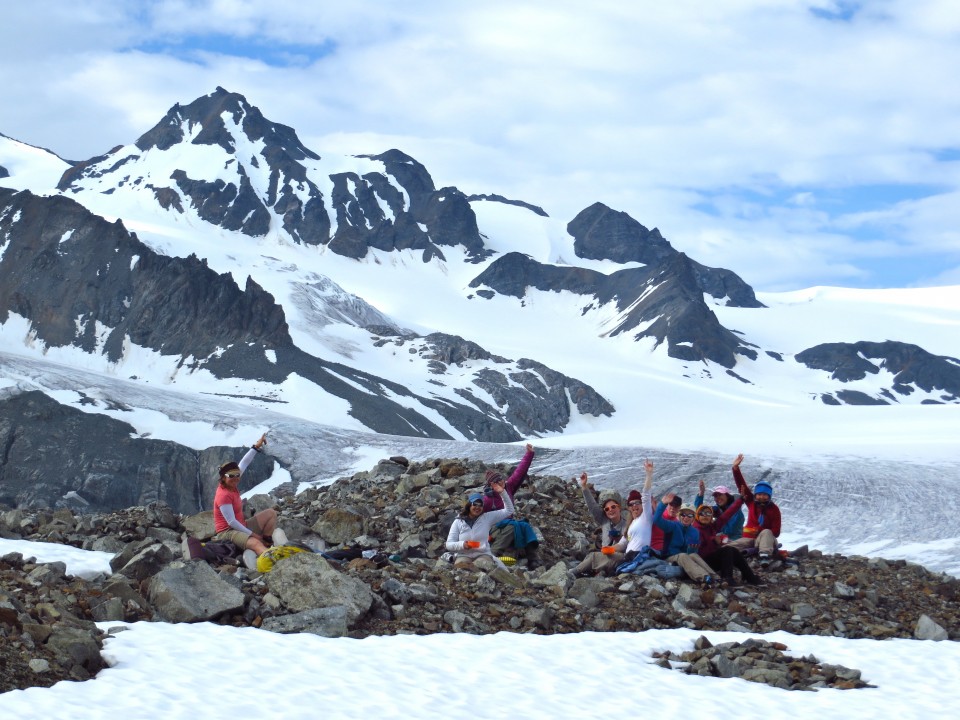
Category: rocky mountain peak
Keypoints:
(208, 112)
(601, 233)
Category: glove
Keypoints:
(471, 544)
(608, 550)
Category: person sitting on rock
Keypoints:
(254, 533)
(722, 500)
(683, 543)
(640, 507)
(659, 538)
(512, 537)
(469, 534)
(613, 525)
(762, 527)
(722, 557)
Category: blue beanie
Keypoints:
(475, 496)
(763, 487)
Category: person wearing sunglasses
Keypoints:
(722, 500)
(619, 543)
(607, 512)
(722, 558)
(251, 534)
(683, 542)
(469, 534)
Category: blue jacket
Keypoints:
(734, 527)
(680, 539)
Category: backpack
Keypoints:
(215, 553)
(275, 554)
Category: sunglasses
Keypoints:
(609, 508)
(232, 475)
(686, 515)
(635, 503)
(477, 503)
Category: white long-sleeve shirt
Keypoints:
(461, 531)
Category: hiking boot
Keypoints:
(765, 559)
(533, 558)
(707, 582)
(279, 537)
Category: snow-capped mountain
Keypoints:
(218, 258)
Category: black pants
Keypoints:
(726, 559)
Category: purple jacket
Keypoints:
(511, 485)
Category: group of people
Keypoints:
(705, 542)
(702, 541)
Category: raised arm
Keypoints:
(495, 516)
(728, 513)
(701, 491)
(658, 519)
(646, 497)
(256, 448)
(596, 512)
(516, 477)
(738, 479)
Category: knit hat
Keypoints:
(722, 489)
(763, 487)
(634, 495)
(475, 496)
(677, 501)
(492, 476)
(608, 495)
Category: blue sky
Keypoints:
(796, 142)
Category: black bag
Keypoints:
(215, 553)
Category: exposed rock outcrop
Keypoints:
(402, 509)
(912, 368)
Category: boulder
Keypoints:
(306, 581)
(192, 592)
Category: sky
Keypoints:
(167, 670)
(797, 142)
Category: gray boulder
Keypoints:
(327, 622)
(192, 592)
(306, 581)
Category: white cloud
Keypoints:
(645, 107)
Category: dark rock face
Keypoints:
(912, 368)
(671, 299)
(84, 282)
(66, 270)
(4, 173)
(56, 456)
(603, 234)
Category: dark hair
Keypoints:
(225, 468)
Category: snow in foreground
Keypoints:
(158, 670)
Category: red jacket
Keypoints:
(708, 533)
(759, 517)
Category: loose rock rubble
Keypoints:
(757, 660)
(401, 510)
